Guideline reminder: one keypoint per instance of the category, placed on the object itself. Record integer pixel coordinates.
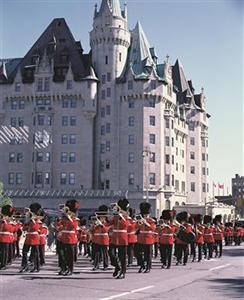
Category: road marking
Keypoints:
(128, 293)
(219, 267)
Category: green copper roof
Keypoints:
(114, 6)
(140, 54)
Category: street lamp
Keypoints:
(146, 153)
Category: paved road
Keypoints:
(216, 279)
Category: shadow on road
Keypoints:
(234, 252)
(230, 287)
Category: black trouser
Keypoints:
(81, 245)
(182, 249)
(199, 246)
(130, 253)
(166, 254)
(60, 252)
(208, 250)
(219, 248)
(10, 253)
(17, 254)
(34, 256)
(69, 256)
(193, 250)
(145, 255)
(4, 252)
(155, 247)
(101, 253)
(237, 240)
(118, 260)
(42, 254)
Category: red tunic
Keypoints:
(100, 234)
(119, 235)
(199, 234)
(218, 233)
(6, 232)
(166, 236)
(82, 234)
(145, 235)
(132, 232)
(32, 235)
(43, 231)
(188, 229)
(208, 235)
(69, 231)
(156, 234)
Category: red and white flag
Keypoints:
(221, 186)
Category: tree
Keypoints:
(4, 200)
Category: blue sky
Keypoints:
(207, 37)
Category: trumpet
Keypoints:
(140, 220)
(67, 212)
(117, 210)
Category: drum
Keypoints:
(188, 238)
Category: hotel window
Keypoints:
(192, 155)
(183, 153)
(172, 124)
(107, 146)
(120, 56)
(103, 130)
(203, 157)
(167, 123)
(72, 121)
(21, 104)
(39, 84)
(177, 185)
(64, 139)
(103, 95)
(206, 143)
(65, 103)
(108, 92)
(152, 157)
(183, 186)
(47, 178)
(173, 180)
(131, 139)
(107, 164)
(73, 103)
(192, 170)
(39, 156)
(63, 178)
(130, 85)
(108, 77)
(17, 86)
(176, 151)
(49, 120)
(47, 84)
(10, 178)
(69, 84)
(39, 178)
(203, 143)
(172, 142)
(173, 159)
(11, 158)
(18, 178)
(102, 148)
(131, 121)
(204, 187)
(193, 188)
(14, 105)
(65, 121)
(167, 140)
(13, 122)
(108, 110)
(72, 157)
(107, 184)
(103, 79)
(131, 179)
(64, 157)
(192, 141)
(21, 122)
(106, 60)
(167, 161)
(152, 178)
(167, 180)
(131, 103)
(47, 156)
(152, 103)
(152, 120)
(177, 166)
(131, 157)
(103, 112)
(20, 157)
(152, 138)
(183, 168)
(108, 128)
(203, 171)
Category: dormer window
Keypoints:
(47, 84)
(69, 84)
(39, 84)
(17, 86)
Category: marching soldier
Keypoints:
(43, 231)
(208, 236)
(82, 237)
(146, 227)
(199, 230)
(218, 235)
(131, 237)
(119, 239)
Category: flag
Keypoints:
(220, 186)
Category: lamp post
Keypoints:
(146, 154)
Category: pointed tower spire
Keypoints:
(113, 5)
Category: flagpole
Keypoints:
(213, 190)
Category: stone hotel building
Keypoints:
(116, 119)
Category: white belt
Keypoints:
(101, 234)
(34, 232)
(67, 231)
(145, 232)
(168, 234)
(133, 232)
(122, 231)
(42, 235)
(208, 234)
(6, 232)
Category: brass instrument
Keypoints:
(140, 220)
(116, 209)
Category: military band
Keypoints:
(115, 236)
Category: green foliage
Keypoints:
(3, 199)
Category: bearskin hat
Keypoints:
(198, 218)
(36, 208)
(167, 214)
(123, 204)
(207, 219)
(102, 209)
(191, 220)
(132, 212)
(218, 218)
(18, 215)
(82, 222)
(7, 210)
(182, 216)
(73, 205)
(145, 208)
